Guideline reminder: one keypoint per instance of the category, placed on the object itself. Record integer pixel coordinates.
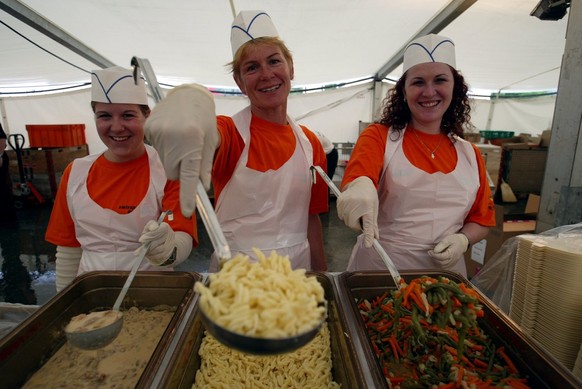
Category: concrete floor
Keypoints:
(27, 260)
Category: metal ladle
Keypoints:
(377, 246)
(240, 342)
(102, 336)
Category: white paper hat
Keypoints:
(117, 85)
(249, 25)
(429, 48)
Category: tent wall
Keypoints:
(336, 113)
(526, 115)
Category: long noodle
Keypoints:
(307, 367)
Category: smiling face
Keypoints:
(429, 91)
(265, 77)
(121, 129)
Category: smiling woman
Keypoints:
(107, 204)
(265, 197)
(412, 182)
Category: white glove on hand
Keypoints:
(182, 128)
(162, 242)
(357, 206)
(450, 250)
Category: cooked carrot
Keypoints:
(394, 348)
(479, 363)
(460, 373)
(516, 383)
(510, 365)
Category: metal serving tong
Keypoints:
(210, 220)
(377, 246)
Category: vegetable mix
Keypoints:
(426, 334)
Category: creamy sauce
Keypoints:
(92, 321)
(120, 364)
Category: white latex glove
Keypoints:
(182, 128)
(67, 265)
(357, 206)
(450, 250)
(162, 242)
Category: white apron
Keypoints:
(268, 210)
(417, 209)
(108, 239)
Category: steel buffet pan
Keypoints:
(180, 368)
(531, 360)
(24, 350)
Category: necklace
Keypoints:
(428, 148)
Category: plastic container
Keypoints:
(496, 134)
(55, 135)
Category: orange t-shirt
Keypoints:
(271, 145)
(367, 159)
(119, 187)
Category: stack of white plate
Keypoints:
(522, 262)
(577, 370)
(547, 293)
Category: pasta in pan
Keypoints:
(307, 367)
(264, 299)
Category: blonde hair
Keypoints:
(248, 46)
(145, 109)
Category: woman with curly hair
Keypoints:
(412, 182)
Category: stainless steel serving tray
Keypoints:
(542, 370)
(181, 367)
(24, 350)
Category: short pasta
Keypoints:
(307, 367)
(263, 299)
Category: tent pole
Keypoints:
(442, 19)
(561, 194)
(377, 98)
(494, 99)
(48, 28)
(233, 9)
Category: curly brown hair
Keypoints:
(396, 113)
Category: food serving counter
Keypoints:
(176, 358)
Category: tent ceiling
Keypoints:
(499, 45)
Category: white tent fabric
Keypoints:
(499, 45)
(500, 48)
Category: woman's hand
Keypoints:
(450, 249)
(182, 128)
(357, 206)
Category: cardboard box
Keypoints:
(524, 168)
(473, 137)
(492, 157)
(479, 253)
(545, 138)
(533, 204)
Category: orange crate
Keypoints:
(56, 135)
